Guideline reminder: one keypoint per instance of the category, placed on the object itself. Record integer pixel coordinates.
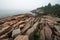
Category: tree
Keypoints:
(51, 9)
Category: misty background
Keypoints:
(14, 7)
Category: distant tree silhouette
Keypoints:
(49, 9)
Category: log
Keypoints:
(48, 33)
(22, 37)
(42, 35)
(31, 31)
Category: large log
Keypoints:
(31, 31)
(42, 35)
(27, 26)
(22, 37)
(48, 33)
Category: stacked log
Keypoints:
(24, 26)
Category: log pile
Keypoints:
(24, 27)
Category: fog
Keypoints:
(13, 7)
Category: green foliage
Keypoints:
(49, 9)
(46, 38)
(37, 36)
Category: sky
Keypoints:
(14, 7)
(25, 4)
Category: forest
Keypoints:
(51, 9)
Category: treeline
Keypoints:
(52, 9)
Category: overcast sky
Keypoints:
(25, 4)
